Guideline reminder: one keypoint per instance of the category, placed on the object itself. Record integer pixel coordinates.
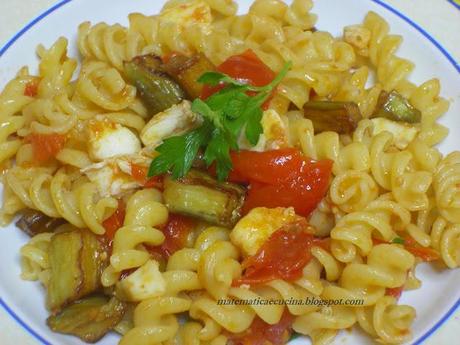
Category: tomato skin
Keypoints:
(31, 89)
(114, 222)
(283, 255)
(246, 68)
(394, 292)
(176, 232)
(139, 173)
(295, 181)
(424, 253)
(265, 167)
(261, 333)
(46, 146)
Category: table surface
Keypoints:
(440, 18)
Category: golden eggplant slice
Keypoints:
(340, 117)
(186, 71)
(65, 272)
(93, 260)
(34, 222)
(76, 259)
(199, 195)
(395, 107)
(89, 319)
(156, 88)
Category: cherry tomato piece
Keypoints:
(262, 333)
(394, 292)
(46, 146)
(282, 256)
(176, 232)
(281, 178)
(31, 89)
(139, 173)
(114, 222)
(424, 253)
(246, 68)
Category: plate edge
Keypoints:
(391, 9)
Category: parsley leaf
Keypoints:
(216, 78)
(200, 107)
(236, 105)
(218, 150)
(398, 240)
(228, 113)
(176, 154)
(253, 113)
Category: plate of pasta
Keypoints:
(229, 172)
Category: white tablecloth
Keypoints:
(439, 17)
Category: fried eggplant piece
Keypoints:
(89, 318)
(156, 88)
(340, 117)
(34, 222)
(77, 259)
(201, 196)
(395, 107)
(186, 71)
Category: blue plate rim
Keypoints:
(455, 4)
(439, 46)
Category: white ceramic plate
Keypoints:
(439, 295)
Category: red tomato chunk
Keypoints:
(262, 333)
(281, 178)
(246, 68)
(283, 256)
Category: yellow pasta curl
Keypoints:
(447, 187)
(388, 322)
(144, 211)
(386, 267)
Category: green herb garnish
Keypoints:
(398, 240)
(226, 114)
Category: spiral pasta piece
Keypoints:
(61, 195)
(12, 100)
(323, 325)
(43, 117)
(144, 211)
(233, 318)
(34, 258)
(11, 204)
(103, 86)
(207, 331)
(353, 190)
(386, 267)
(390, 196)
(393, 71)
(55, 69)
(218, 267)
(442, 236)
(189, 334)
(388, 322)
(392, 171)
(309, 286)
(104, 42)
(355, 230)
(154, 321)
(353, 88)
(447, 187)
